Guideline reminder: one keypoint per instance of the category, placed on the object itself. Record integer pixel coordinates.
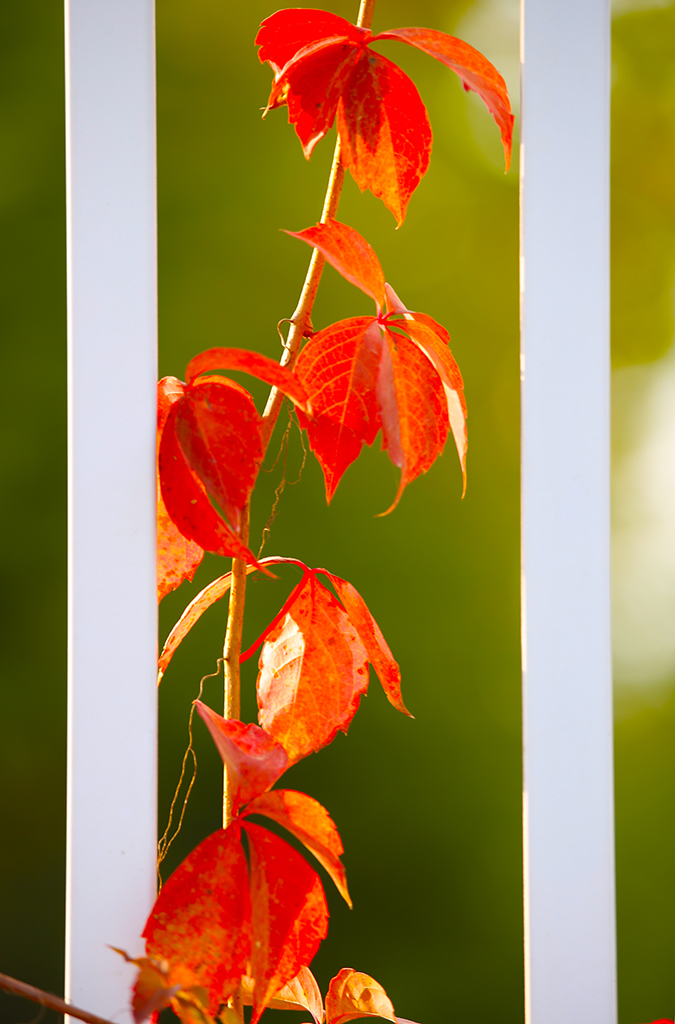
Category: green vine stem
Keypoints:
(300, 326)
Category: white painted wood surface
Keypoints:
(112, 327)
(568, 764)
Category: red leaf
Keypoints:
(288, 913)
(177, 557)
(413, 410)
(434, 341)
(286, 32)
(350, 254)
(187, 503)
(352, 994)
(250, 362)
(475, 70)
(301, 993)
(218, 429)
(309, 822)
(385, 131)
(201, 919)
(339, 368)
(255, 760)
(370, 634)
(313, 670)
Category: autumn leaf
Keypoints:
(152, 990)
(385, 132)
(187, 502)
(324, 67)
(352, 995)
(350, 254)
(393, 372)
(218, 429)
(301, 993)
(314, 665)
(313, 670)
(211, 593)
(177, 557)
(289, 914)
(255, 761)
(256, 364)
(309, 822)
(201, 919)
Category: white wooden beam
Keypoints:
(568, 773)
(112, 327)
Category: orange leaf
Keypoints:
(352, 994)
(201, 919)
(194, 611)
(313, 670)
(257, 365)
(177, 557)
(288, 913)
(370, 634)
(309, 822)
(385, 132)
(255, 760)
(475, 70)
(350, 254)
(301, 993)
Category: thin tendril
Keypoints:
(165, 842)
(279, 490)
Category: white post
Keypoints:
(568, 787)
(112, 326)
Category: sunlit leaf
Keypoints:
(309, 822)
(301, 993)
(352, 995)
(255, 761)
(201, 919)
(288, 913)
(350, 254)
(255, 363)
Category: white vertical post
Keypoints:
(112, 326)
(568, 775)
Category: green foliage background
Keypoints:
(429, 809)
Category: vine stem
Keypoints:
(300, 326)
(51, 1002)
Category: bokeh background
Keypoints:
(429, 809)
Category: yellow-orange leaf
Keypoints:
(352, 995)
(301, 993)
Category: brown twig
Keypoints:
(37, 995)
(300, 326)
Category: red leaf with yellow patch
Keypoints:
(324, 66)
(201, 919)
(177, 557)
(313, 670)
(309, 822)
(289, 914)
(385, 132)
(255, 761)
(314, 664)
(152, 990)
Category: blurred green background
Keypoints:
(429, 810)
